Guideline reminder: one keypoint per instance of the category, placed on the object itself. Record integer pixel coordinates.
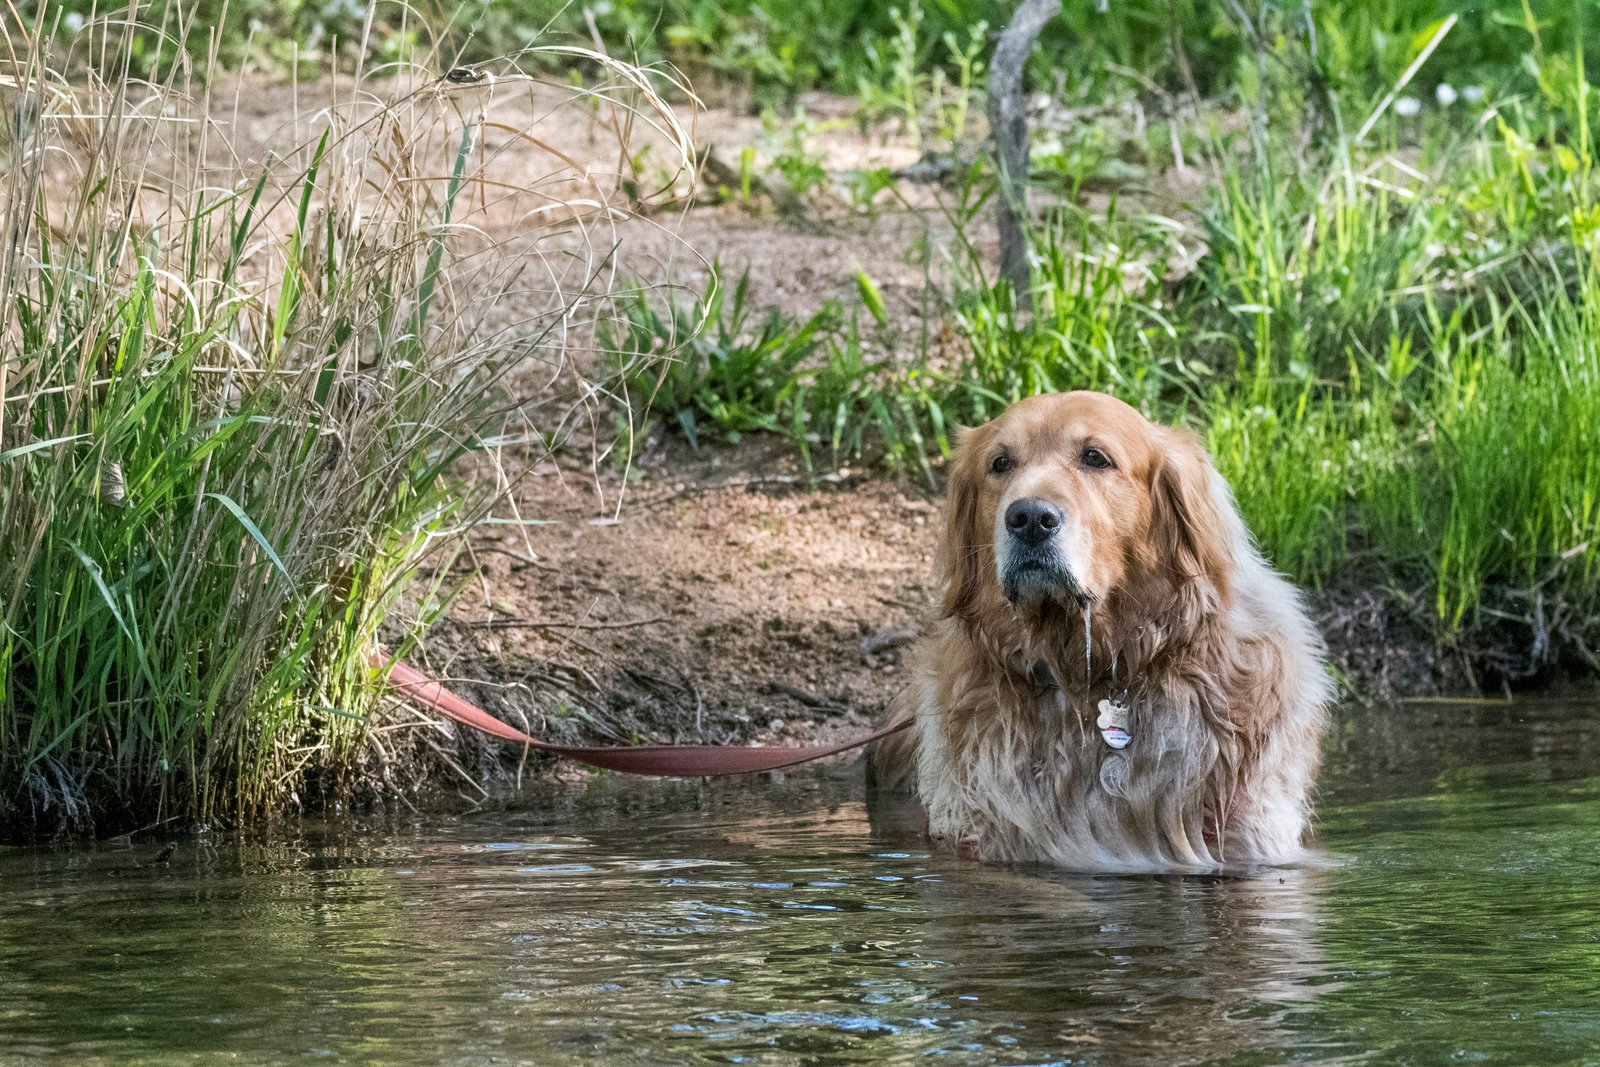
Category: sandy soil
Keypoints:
(726, 600)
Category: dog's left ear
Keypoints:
(1193, 524)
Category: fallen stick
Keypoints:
(517, 623)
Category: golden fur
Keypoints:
(1148, 588)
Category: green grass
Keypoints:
(721, 373)
(708, 370)
(1098, 322)
(1412, 398)
(213, 508)
(886, 55)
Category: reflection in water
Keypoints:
(1454, 915)
(1134, 969)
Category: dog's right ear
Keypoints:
(1196, 528)
(962, 561)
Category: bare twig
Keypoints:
(872, 644)
(534, 624)
(808, 698)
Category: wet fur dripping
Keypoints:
(1088, 554)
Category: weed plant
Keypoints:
(705, 367)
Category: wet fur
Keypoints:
(1224, 670)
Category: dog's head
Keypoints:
(1075, 500)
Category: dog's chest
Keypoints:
(1071, 778)
(1074, 737)
(1054, 745)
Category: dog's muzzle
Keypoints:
(1032, 565)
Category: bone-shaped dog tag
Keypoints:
(1113, 722)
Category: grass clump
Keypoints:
(1411, 376)
(721, 373)
(1099, 320)
(230, 401)
(818, 382)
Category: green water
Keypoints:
(1454, 916)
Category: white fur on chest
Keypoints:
(1038, 782)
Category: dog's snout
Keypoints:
(1033, 520)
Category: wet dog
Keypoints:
(1114, 679)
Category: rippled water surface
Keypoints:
(1455, 916)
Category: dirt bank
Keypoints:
(726, 600)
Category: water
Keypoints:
(1454, 915)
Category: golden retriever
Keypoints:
(1115, 679)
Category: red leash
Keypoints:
(680, 761)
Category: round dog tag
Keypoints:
(1114, 775)
(1113, 723)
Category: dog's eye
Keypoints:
(1000, 464)
(1093, 457)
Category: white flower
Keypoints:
(1472, 94)
(1445, 93)
(1407, 106)
(72, 21)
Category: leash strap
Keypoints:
(678, 761)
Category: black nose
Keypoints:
(1033, 521)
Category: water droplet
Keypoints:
(1088, 641)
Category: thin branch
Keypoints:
(533, 624)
